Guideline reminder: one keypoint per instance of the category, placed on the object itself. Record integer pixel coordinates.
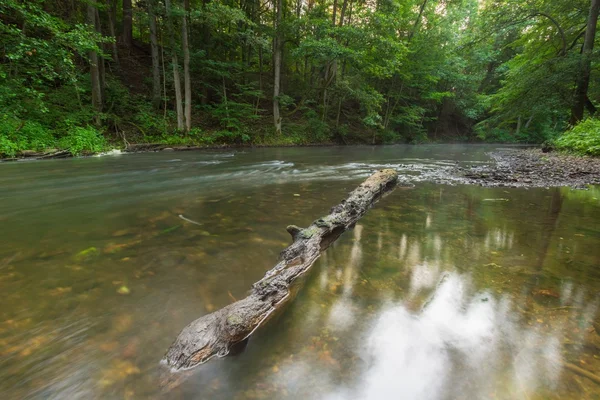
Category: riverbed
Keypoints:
(442, 291)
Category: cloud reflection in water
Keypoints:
(460, 345)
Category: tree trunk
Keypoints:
(277, 48)
(186, 67)
(583, 80)
(101, 63)
(176, 77)
(418, 21)
(529, 121)
(335, 4)
(127, 36)
(156, 89)
(216, 333)
(111, 27)
(94, 70)
(206, 41)
(343, 12)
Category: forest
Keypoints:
(84, 76)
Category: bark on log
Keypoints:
(216, 333)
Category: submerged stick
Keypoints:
(216, 333)
(580, 371)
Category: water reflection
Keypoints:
(444, 310)
(456, 347)
(341, 314)
(437, 293)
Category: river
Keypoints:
(440, 292)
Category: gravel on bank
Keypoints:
(532, 168)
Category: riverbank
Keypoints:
(148, 148)
(510, 167)
(532, 168)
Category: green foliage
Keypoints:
(317, 131)
(583, 139)
(496, 70)
(17, 135)
(83, 140)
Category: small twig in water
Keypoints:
(231, 296)
(585, 373)
(189, 220)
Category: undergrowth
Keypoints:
(583, 139)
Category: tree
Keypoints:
(127, 35)
(186, 66)
(583, 79)
(156, 88)
(175, 65)
(95, 69)
(277, 56)
(111, 13)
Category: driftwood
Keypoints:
(218, 333)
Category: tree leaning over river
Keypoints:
(294, 72)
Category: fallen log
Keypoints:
(218, 333)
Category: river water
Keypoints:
(440, 292)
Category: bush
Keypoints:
(80, 140)
(583, 139)
(17, 135)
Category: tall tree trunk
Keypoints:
(111, 27)
(94, 70)
(156, 89)
(278, 49)
(206, 41)
(101, 64)
(175, 63)
(343, 12)
(335, 4)
(127, 23)
(186, 67)
(583, 81)
(529, 122)
(418, 21)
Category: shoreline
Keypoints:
(31, 155)
(532, 168)
(516, 166)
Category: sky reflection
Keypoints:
(454, 348)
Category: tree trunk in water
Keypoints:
(127, 23)
(277, 48)
(176, 77)
(583, 81)
(156, 89)
(216, 333)
(95, 70)
(186, 67)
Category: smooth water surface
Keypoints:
(440, 292)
